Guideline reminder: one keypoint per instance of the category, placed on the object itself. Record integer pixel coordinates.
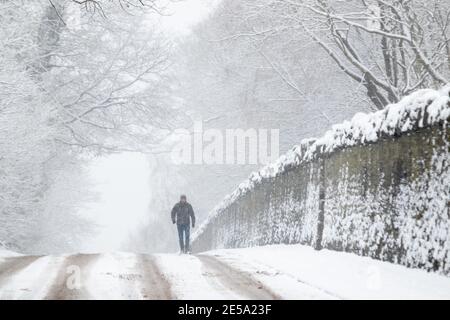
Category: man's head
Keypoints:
(183, 198)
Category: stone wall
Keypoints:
(389, 200)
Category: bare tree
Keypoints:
(391, 47)
(388, 47)
(107, 75)
(72, 83)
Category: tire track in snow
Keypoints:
(235, 280)
(30, 280)
(120, 275)
(188, 279)
(60, 290)
(11, 266)
(153, 285)
(287, 285)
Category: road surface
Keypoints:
(262, 273)
(126, 276)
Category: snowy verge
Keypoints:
(423, 108)
(338, 274)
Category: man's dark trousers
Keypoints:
(183, 235)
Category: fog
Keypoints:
(121, 184)
(91, 97)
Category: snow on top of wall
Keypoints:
(420, 109)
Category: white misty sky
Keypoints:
(122, 181)
(184, 14)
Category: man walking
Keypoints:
(182, 214)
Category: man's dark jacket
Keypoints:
(181, 213)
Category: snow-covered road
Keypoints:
(125, 276)
(272, 272)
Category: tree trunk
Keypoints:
(50, 29)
